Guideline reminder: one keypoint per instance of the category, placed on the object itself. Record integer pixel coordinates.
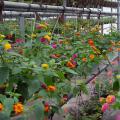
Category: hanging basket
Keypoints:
(111, 115)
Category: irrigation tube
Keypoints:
(25, 7)
(100, 71)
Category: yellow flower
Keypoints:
(33, 35)
(43, 25)
(49, 33)
(101, 100)
(95, 29)
(7, 46)
(47, 37)
(45, 66)
(2, 36)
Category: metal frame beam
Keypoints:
(25, 7)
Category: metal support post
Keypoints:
(65, 5)
(111, 17)
(22, 26)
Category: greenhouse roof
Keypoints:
(81, 3)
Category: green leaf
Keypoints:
(2, 97)
(43, 93)
(16, 70)
(61, 75)
(39, 111)
(70, 71)
(52, 62)
(28, 44)
(4, 74)
(8, 105)
(34, 86)
(15, 54)
(43, 34)
(116, 85)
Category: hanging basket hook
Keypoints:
(1, 9)
(89, 13)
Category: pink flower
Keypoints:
(110, 82)
(105, 107)
(19, 40)
(46, 24)
(53, 56)
(74, 62)
(64, 56)
(54, 46)
(109, 73)
(114, 62)
(74, 56)
(118, 117)
(43, 40)
(38, 27)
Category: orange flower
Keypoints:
(113, 43)
(110, 99)
(51, 88)
(10, 36)
(117, 49)
(77, 34)
(96, 50)
(58, 55)
(46, 107)
(60, 41)
(70, 64)
(84, 59)
(1, 107)
(18, 108)
(92, 56)
(110, 49)
(91, 42)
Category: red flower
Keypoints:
(91, 42)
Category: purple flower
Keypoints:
(74, 56)
(54, 46)
(74, 62)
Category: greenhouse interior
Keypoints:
(59, 59)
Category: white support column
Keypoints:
(118, 25)
(102, 26)
(118, 16)
(22, 26)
